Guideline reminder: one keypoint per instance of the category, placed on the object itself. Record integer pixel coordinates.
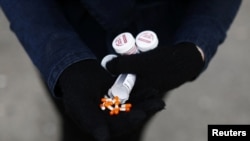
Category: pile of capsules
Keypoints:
(114, 105)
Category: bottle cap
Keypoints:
(123, 43)
(146, 40)
(106, 59)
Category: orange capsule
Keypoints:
(103, 99)
(102, 107)
(110, 108)
(128, 105)
(107, 103)
(127, 110)
(116, 100)
(112, 112)
(116, 111)
(124, 109)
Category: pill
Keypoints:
(110, 108)
(112, 112)
(116, 111)
(107, 103)
(126, 105)
(102, 107)
(124, 109)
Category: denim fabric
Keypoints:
(58, 33)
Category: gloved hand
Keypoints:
(82, 85)
(163, 68)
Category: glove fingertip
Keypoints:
(153, 106)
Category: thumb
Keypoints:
(123, 64)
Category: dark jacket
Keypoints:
(58, 33)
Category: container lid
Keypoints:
(123, 42)
(146, 40)
(106, 59)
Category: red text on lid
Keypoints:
(146, 37)
(121, 40)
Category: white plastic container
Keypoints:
(125, 44)
(146, 40)
(122, 87)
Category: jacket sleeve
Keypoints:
(47, 37)
(206, 24)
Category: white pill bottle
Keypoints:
(126, 44)
(146, 40)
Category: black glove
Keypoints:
(163, 68)
(83, 85)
